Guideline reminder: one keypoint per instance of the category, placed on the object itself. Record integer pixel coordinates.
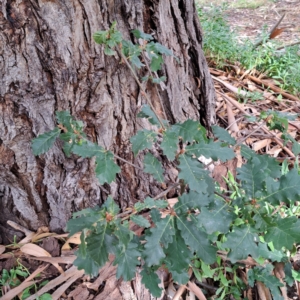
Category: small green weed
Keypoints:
(222, 46)
(10, 279)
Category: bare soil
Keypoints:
(249, 22)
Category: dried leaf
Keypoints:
(2, 249)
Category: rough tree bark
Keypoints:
(49, 62)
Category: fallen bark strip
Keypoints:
(273, 88)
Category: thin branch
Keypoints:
(126, 161)
(259, 42)
(288, 45)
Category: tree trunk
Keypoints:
(49, 62)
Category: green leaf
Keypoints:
(141, 35)
(136, 61)
(88, 149)
(142, 140)
(190, 131)
(115, 36)
(161, 234)
(151, 281)
(111, 206)
(242, 242)
(140, 221)
(44, 142)
(87, 264)
(262, 219)
(181, 277)
(169, 144)
(252, 176)
(197, 240)
(64, 117)
(127, 260)
(97, 245)
(100, 37)
(284, 233)
(108, 51)
(153, 167)
(177, 256)
(82, 247)
(159, 80)
(123, 233)
(45, 297)
(266, 253)
(190, 201)
(217, 217)
(156, 63)
(147, 112)
(286, 190)
(223, 135)
(106, 168)
(192, 172)
(264, 274)
(150, 203)
(162, 49)
(86, 222)
(211, 149)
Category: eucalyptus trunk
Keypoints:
(49, 62)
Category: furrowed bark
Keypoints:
(49, 62)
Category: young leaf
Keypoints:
(153, 167)
(196, 239)
(161, 234)
(142, 140)
(141, 35)
(127, 260)
(64, 117)
(140, 221)
(44, 142)
(100, 37)
(284, 233)
(242, 242)
(169, 144)
(151, 281)
(211, 149)
(223, 135)
(106, 169)
(111, 207)
(191, 172)
(156, 63)
(108, 51)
